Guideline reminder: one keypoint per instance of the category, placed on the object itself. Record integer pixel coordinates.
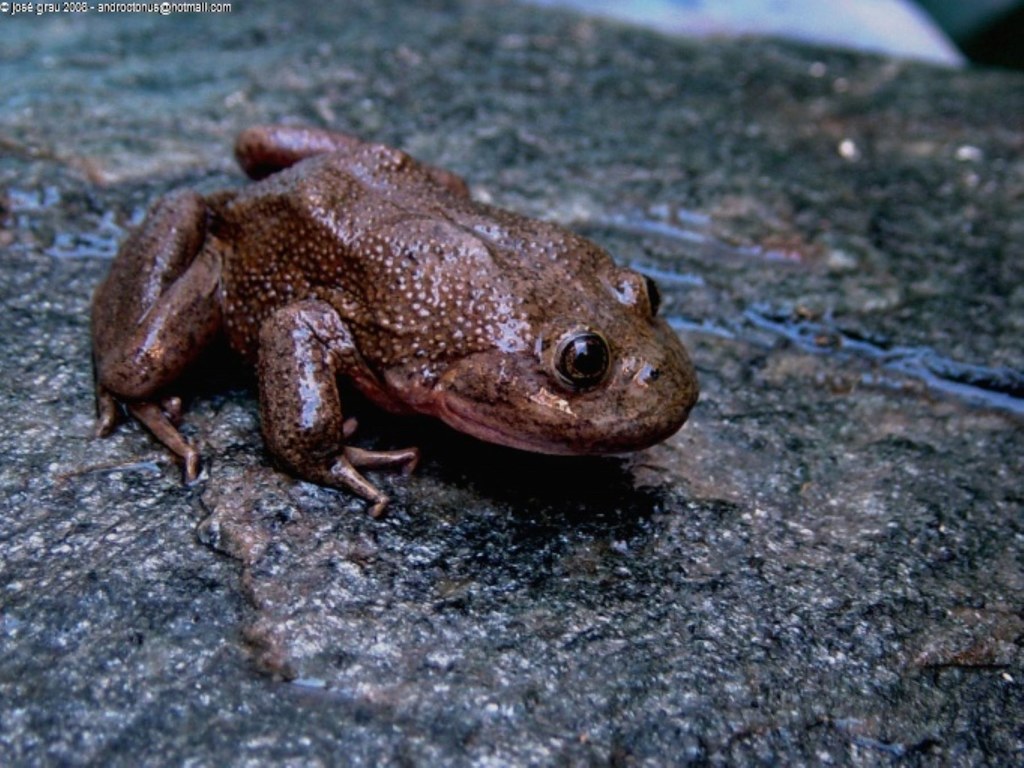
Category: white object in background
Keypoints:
(895, 27)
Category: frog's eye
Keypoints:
(582, 359)
(653, 294)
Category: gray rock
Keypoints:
(823, 566)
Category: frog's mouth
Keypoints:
(567, 437)
(467, 417)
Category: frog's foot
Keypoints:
(345, 472)
(160, 419)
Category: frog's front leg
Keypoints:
(156, 311)
(304, 348)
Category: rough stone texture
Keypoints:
(825, 565)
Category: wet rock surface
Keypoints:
(825, 565)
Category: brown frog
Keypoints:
(353, 260)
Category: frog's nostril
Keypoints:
(648, 374)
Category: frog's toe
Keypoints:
(172, 407)
(106, 412)
(192, 462)
(343, 474)
(406, 458)
(377, 509)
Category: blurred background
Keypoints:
(953, 32)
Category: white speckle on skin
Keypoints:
(551, 400)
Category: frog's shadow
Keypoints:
(586, 491)
(591, 491)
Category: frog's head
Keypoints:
(596, 371)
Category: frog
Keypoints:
(347, 262)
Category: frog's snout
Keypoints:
(644, 401)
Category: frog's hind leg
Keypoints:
(152, 316)
(304, 348)
(266, 149)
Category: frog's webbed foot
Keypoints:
(304, 347)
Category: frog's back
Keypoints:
(284, 238)
(416, 269)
